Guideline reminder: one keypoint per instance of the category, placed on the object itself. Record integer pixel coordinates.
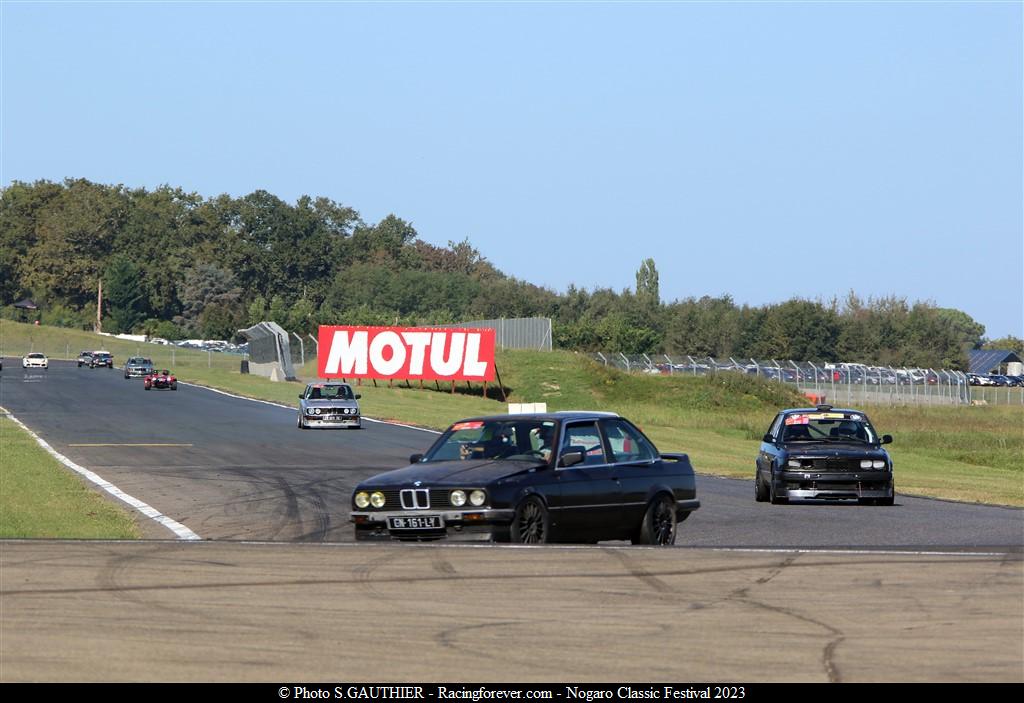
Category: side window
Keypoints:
(627, 444)
(774, 429)
(586, 437)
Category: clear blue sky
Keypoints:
(764, 150)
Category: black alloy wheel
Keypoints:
(659, 525)
(531, 524)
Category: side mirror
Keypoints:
(768, 438)
(887, 439)
(571, 458)
(358, 396)
(301, 396)
(415, 458)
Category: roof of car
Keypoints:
(822, 409)
(559, 415)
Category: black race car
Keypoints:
(823, 453)
(534, 478)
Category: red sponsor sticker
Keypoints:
(475, 425)
(798, 420)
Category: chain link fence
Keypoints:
(846, 384)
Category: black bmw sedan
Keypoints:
(532, 479)
(823, 453)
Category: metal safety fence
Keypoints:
(843, 383)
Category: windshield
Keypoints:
(325, 392)
(500, 440)
(828, 427)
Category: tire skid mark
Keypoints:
(836, 635)
(119, 571)
(443, 566)
(638, 571)
(366, 569)
(447, 638)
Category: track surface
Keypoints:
(247, 473)
(336, 613)
(303, 607)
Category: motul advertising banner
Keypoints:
(406, 353)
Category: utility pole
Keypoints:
(98, 327)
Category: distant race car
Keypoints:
(35, 360)
(102, 358)
(160, 380)
(137, 367)
(85, 359)
(329, 404)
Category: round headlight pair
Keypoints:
(872, 464)
(316, 411)
(364, 499)
(476, 497)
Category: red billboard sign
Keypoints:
(406, 353)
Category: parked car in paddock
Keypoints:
(532, 479)
(102, 358)
(161, 380)
(329, 405)
(138, 367)
(35, 360)
(84, 359)
(823, 453)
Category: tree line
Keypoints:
(175, 264)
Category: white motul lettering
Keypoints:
(418, 343)
(382, 366)
(347, 356)
(473, 365)
(441, 366)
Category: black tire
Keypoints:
(531, 523)
(147, 387)
(300, 424)
(760, 490)
(174, 386)
(775, 499)
(659, 524)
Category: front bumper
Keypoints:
(473, 525)
(333, 421)
(136, 373)
(834, 486)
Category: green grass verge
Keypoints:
(40, 498)
(959, 453)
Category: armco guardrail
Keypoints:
(843, 383)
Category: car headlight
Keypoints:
(878, 464)
(316, 411)
(377, 499)
(865, 463)
(458, 498)
(478, 497)
(793, 463)
(362, 499)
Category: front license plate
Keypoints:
(420, 522)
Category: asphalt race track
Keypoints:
(234, 469)
(923, 591)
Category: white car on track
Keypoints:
(35, 360)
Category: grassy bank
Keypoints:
(958, 453)
(40, 498)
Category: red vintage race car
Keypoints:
(160, 379)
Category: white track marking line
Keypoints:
(149, 511)
(295, 409)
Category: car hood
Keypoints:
(455, 473)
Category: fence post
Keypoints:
(625, 360)
(302, 350)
